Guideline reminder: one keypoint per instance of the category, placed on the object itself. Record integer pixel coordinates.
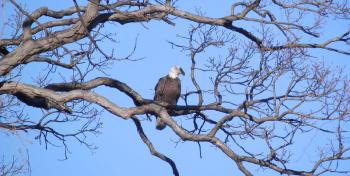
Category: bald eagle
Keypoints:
(168, 90)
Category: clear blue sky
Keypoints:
(121, 151)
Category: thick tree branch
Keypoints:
(64, 87)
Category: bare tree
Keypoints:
(265, 85)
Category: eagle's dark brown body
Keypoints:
(167, 90)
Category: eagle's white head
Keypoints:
(175, 71)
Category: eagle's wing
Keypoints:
(178, 93)
(159, 89)
(158, 96)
